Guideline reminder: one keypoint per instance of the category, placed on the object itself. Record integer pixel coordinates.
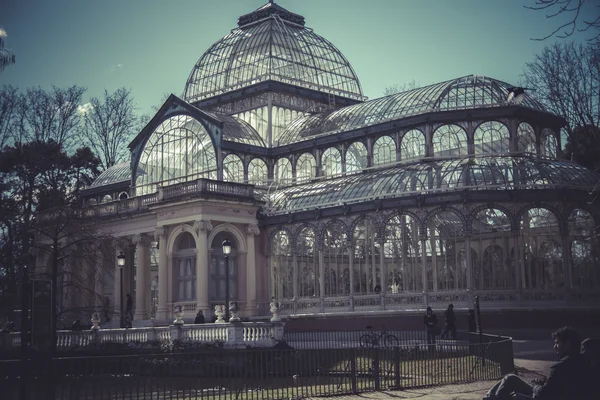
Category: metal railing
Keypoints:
(253, 374)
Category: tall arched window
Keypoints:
(257, 172)
(305, 168)
(356, 157)
(308, 263)
(384, 150)
(282, 265)
(233, 169)
(218, 275)
(542, 251)
(402, 254)
(366, 257)
(585, 257)
(336, 259)
(450, 141)
(548, 143)
(492, 239)
(412, 145)
(526, 137)
(492, 137)
(180, 149)
(445, 241)
(185, 267)
(331, 162)
(283, 171)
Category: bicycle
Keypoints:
(372, 339)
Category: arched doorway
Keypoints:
(218, 281)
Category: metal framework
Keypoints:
(272, 44)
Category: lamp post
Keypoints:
(121, 264)
(226, 250)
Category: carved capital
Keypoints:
(201, 226)
(160, 232)
(252, 229)
(140, 239)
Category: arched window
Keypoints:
(308, 263)
(450, 141)
(542, 252)
(356, 157)
(331, 162)
(106, 198)
(492, 137)
(257, 172)
(305, 168)
(336, 260)
(283, 171)
(491, 237)
(412, 145)
(526, 137)
(548, 143)
(366, 257)
(384, 150)
(233, 169)
(185, 267)
(402, 254)
(180, 149)
(444, 233)
(282, 265)
(218, 274)
(585, 257)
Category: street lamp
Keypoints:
(226, 250)
(121, 264)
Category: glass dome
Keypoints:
(272, 43)
(468, 92)
(117, 173)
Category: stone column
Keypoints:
(142, 253)
(202, 278)
(99, 280)
(251, 231)
(160, 234)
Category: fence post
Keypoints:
(397, 367)
(353, 371)
(376, 374)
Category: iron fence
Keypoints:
(253, 373)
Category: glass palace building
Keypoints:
(338, 204)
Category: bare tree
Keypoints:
(580, 15)
(51, 115)
(10, 118)
(399, 88)
(108, 125)
(566, 77)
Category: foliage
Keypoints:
(583, 146)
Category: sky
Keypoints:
(151, 46)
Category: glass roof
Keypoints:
(475, 173)
(272, 44)
(117, 173)
(237, 130)
(463, 93)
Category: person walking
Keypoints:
(199, 317)
(450, 323)
(430, 321)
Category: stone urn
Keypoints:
(178, 313)
(219, 312)
(95, 321)
(275, 311)
(234, 311)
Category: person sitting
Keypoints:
(567, 379)
(199, 317)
